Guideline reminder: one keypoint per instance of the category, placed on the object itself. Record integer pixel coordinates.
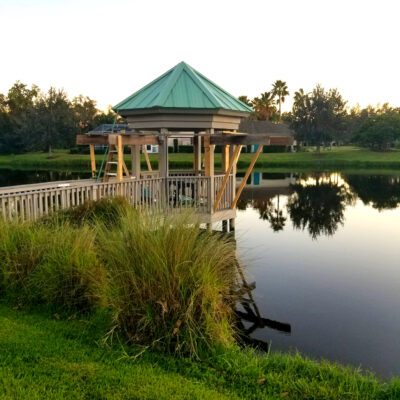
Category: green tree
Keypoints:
(264, 106)
(379, 132)
(108, 117)
(5, 125)
(319, 115)
(245, 100)
(21, 110)
(57, 122)
(85, 113)
(280, 90)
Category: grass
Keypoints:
(43, 357)
(341, 157)
(167, 283)
(170, 282)
(120, 305)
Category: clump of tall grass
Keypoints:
(22, 247)
(54, 265)
(70, 276)
(107, 211)
(170, 282)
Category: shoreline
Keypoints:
(347, 158)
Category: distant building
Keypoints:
(265, 127)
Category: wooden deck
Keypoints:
(172, 194)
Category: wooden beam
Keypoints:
(125, 168)
(163, 153)
(232, 162)
(240, 138)
(92, 160)
(120, 157)
(197, 153)
(135, 161)
(128, 140)
(225, 157)
(140, 139)
(85, 139)
(146, 156)
(246, 176)
(208, 156)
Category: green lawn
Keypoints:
(343, 157)
(43, 357)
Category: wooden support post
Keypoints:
(125, 168)
(247, 174)
(209, 167)
(120, 157)
(135, 157)
(209, 151)
(163, 154)
(146, 156)
(225, 157)
(197, 154)
(232, 162)
(92, 160)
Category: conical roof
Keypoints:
(182, 87)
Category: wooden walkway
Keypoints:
(174, 193)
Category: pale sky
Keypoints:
(109, 49)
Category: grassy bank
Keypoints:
(104, 302)
(43, 357)
(341, 158)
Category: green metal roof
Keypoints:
(182, 87)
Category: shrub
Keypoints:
(21, 250)
(170, 283)
(51, 264)
(69, 276)
(107, 211)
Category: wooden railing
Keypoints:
(228, 193)
(29, 202)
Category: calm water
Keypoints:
(324, 253)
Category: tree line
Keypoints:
(33, 120)
(322, 116)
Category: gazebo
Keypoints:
(181, 103)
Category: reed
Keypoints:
(55, 265)
(170, 282)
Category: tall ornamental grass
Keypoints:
(54, 265)
(170, 282)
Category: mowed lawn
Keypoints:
(341, 157)
(45, 357)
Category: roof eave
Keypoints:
(174, 110)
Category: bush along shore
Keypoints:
(102, 301)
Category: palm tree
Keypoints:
(280, 90)
(264, 106)
(245, 100)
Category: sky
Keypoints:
(109, 49)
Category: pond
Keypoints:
(323, 251)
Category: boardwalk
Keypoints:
(175, 192)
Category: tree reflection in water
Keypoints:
(268, 211)
(319, 207)
(382, 192)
